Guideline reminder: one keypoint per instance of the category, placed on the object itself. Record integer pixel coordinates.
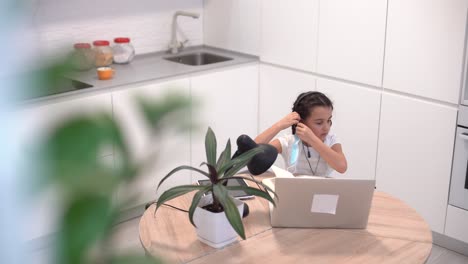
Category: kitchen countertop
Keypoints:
(147, 68)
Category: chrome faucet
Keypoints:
(175, 45)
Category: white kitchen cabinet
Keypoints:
(289, 33)
(278, 90)
(33, 124)
(232, 25)
(456, 222)
(36, 122)
(424, 47)
(45, 210)
(351, 40)
(173, 149)
(228, 104)
(415, 152)
(356, 124)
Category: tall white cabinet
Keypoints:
(228, 104)
(289, 33)
(425, 47)
(172, 149)
(351, 39)
(356, 124)
(415, 154)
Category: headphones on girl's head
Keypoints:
(320, 99)
(299, 99)
(296, 104)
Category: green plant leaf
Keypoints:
(225, 156)
(176, 192)
(213, 172)
(195, 201)
(210, 147)
(86, 219)
(234, 165)
(252, 191)
(230, 209)
(183, 167)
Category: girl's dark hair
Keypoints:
(305, 102)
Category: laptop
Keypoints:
(315, 202)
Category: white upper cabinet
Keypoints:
(171, 149)
(279, 89)
(289, 33)
(415, 154)
(356, 124)
(424, 47)
(228, 104)
(233, 25)
(351, 40)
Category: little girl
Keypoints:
(310, 149)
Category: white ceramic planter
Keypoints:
(214, 229)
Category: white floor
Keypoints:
(126, 239)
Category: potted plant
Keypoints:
(215, 214)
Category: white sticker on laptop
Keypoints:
(324, 203)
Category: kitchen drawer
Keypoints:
(456, 223)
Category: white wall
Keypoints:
(57, 24)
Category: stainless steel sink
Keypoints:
(198, 58)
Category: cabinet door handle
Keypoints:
(463, 136)
(466, 176)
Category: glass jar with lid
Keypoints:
(82, 57)
(103, 52)
(123, 50)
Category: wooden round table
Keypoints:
(395, 234)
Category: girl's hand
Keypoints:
(305, 134)
(290, 119)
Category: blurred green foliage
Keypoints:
(69, 159)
